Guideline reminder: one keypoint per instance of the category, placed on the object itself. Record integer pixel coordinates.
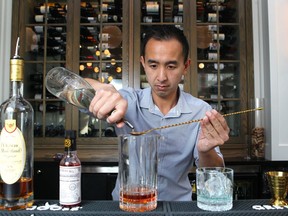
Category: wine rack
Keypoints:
(100, 39)
(100, 53)
(218, 57)
(156, 13)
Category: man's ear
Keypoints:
(187, 64)
(142, 60)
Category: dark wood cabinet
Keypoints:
(96, 182)
(98, 179)
(101, 39)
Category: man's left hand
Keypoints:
(214, 131)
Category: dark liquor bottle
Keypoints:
(17, 143)
(57, 31)
(229, 14)
(52, 51)
(37, 77)
(178, 9)
(51, 108)
(110, 131)
(70, 173)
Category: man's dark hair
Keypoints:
(165, 32)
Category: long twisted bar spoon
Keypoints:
(138, 133)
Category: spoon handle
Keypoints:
(192, 121)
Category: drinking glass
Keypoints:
(138, 172)
(214, 188)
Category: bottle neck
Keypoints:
(16, 88)
(70, 151)
(16, 76)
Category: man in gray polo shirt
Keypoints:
(164, 57)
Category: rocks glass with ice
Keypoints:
(214, 188)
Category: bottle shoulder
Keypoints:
(70, 160)
(16, 104)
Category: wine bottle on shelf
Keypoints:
(88, 53)
(17, 143)
(151, 8)
(109, 18)
(90, 39)
(108, 1)
(51, 108)
(57, 31)
(37, 88)
(89, 19)
(70, 173)
(110, 131)
(178, 9)
(228, 15)
(108, 8)
(54, 11)
(51, 41)
(51, 51)
(88, 12)
(50, 19)
(151, 19)
(37, 77)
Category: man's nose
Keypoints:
(162, 75)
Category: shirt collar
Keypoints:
(181, 106)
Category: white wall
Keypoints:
(270, 32)
(5, 41)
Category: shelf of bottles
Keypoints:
(100, 54)
(218, 55)
(45, 48)
(167, 12)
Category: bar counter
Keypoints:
(105, 208)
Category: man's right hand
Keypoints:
(108, 103)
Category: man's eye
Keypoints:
(171, 67)
(153, 66)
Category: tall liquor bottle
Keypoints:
(70, 173)
(16, 143)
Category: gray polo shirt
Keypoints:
(178, 151)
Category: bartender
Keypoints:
(164, 57)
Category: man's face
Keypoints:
(164, 66)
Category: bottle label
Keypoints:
(152, 7)
(212, 17)
(70, 185)
(104, 7)
(39, 18)
(12, 152)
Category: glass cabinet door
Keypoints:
(100, 39)
(166, 12)
(219, 66)
(100, 54)
(45, 48)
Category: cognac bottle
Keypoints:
(16, 143)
